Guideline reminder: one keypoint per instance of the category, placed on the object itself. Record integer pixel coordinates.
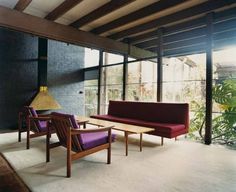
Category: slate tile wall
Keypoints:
(18, 75)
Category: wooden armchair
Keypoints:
(78, 142)
(34, 123)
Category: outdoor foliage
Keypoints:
(224, 131)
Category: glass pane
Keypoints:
(110, 58)
(91, 97)
(109, 92)
(112, 75)
(141, 81)
(91, 57)
(224, 96)
(111, 85)
(184, 81)
(141, 92)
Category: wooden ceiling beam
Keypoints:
(139, 14)
(62, 9)
(26, 23)
(202, 8)
(101, 11)
(22, 4)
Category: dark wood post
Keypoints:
(159, 64)
(209, 41)
(124, 76)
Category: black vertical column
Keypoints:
(42, 61)
(159, 64)
(99, 79)
(124, 76)
(209, 42)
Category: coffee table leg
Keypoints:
(141, 139)
(126, 143)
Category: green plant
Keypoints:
(223, 131)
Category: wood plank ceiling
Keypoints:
(135, 21)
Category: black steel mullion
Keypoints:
(209, 45)
(124, 76)
(159, 64)
(99, 79)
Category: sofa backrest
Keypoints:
(151, 111)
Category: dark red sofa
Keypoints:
(169, 119)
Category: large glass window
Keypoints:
(184, 81)
(91, 97)
(110, 58)
(141, 81)
(111, 85)
(91, 57)
(224, 96)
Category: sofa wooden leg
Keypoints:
(162, 141)
(175, 138)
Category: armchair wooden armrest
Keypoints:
(44, 118)
(44, 115)
(81, 131)
(83, 123)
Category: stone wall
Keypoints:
(18, 75)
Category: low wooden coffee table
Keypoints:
(126, 128)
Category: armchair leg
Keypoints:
(19, 135)
(19, 127)
(109, 148)
(47, 145)
(68, 144)
(109, 155)
(28, 134)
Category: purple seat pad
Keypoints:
(160, 127)
(42, 126)
(90, 140)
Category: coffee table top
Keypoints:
(117, 126)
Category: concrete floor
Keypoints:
(177, 166)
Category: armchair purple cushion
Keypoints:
(41, 126)
(90, 140)
(86, 140)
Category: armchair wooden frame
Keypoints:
(71, 155)
(31, 127)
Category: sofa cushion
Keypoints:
(167, 128)
(150, 111)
